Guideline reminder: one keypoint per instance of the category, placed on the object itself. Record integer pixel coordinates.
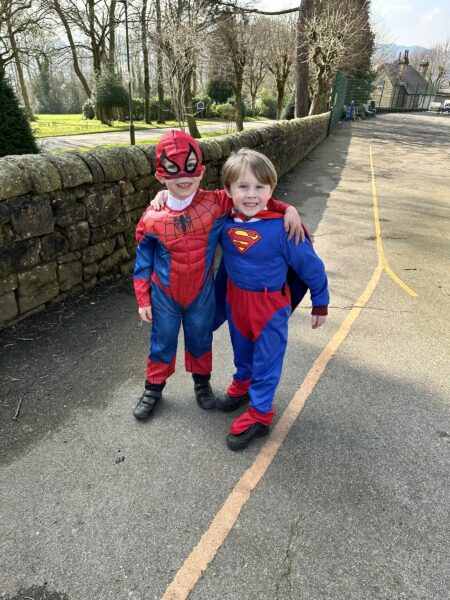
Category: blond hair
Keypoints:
(261, 167)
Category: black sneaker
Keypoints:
(204, 395)
(228, 403)
(148, 401)
(242, 440)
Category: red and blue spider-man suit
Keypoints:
(174, 265)
(257, 258)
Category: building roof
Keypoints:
(407, 75)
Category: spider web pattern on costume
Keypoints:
(187, 249)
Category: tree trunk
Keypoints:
(194, 80)
(302, 66)
(145, 59)
(23, 86)
(112, 35)
(239, 106)
(280, 97)
(320, 94)
(193, 129)
(159, 67)
(76, 65)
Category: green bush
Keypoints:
(16, 136)
(89, 110)
(266, 106)
(226, 111)
(166, 108)
(138, 109)
(289, 110)
(111, 98)
(45, 92)
(219, 90)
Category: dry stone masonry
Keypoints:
(67, 221)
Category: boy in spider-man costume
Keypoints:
(262, 269)
(173, 275)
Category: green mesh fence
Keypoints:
(337, 101)
(346, 91)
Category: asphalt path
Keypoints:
(350, 501)
(91, 140)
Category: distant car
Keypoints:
(445, 107)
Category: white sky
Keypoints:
(407, 22)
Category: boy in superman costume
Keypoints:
(173, 275)
(262, 268)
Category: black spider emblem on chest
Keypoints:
(183, 223)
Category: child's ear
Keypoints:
(160, 178)
(227, 191)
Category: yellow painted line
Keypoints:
(380, 247)
(203, 554)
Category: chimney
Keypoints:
(406, 59)
(424, 68)
(399, 58)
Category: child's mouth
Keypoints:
(184, 185)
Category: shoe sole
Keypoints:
(230, 408)
(206, 406)
(236, 444)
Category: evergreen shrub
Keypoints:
(16, 136)
(89, 110)
(111, 98)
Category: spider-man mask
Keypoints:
(178, 155)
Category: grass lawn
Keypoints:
(150, 140)
(55, 125)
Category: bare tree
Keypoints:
(59, 9)
(145, 57)
(17, 18)
(434, 63)
(181, 39)
(89, 26)
(302, 59)
(339, 37)
(232, 38)
(280, 39)
(256, 69)
(159, 65)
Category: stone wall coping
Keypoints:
(44, 173)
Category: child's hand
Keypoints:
(293, 224)
(159, 200)
(146, 314)
(317, 321)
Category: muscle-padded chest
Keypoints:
(182, 261)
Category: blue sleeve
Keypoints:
(309, 267)
(145, 252)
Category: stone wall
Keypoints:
(67, 221)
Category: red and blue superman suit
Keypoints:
(256, 259)
(174, 267)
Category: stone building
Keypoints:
(399, 85)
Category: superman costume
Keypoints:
(256, 258)
(174, 263)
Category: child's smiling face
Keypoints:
(179, 164)
(182, 187)
(249, 195)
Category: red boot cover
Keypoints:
(249, 418)
(238, 388)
